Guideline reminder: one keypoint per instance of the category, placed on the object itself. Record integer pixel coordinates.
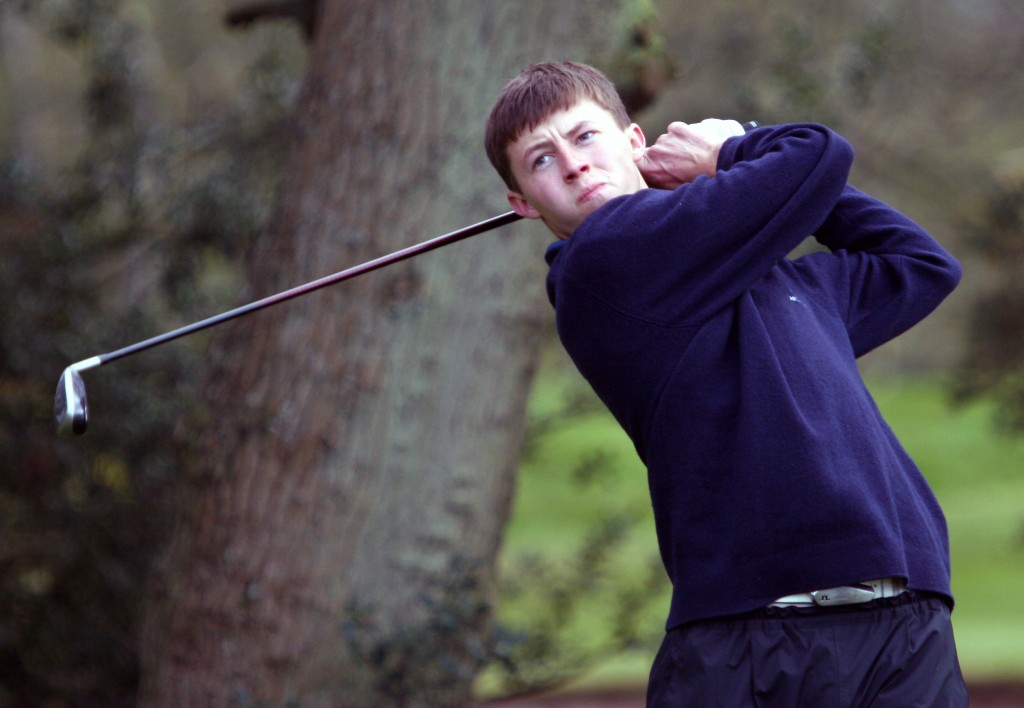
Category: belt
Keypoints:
(845, 594)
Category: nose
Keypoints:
(575, 163)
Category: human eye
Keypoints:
(586, 135)
(541, 160)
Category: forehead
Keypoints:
(560, 124)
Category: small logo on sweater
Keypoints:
(794, 298)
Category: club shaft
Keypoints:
(300, 290)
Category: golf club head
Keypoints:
(70, 407)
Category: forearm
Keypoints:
(896, 273)
(860, 223)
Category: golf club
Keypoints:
(70, 405)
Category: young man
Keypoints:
(809, 559)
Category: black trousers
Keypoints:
(893, 652)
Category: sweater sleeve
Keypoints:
(894, 273)
(676, 257)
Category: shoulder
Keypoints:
(644, 214)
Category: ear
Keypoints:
(637, 140)
(521, 206)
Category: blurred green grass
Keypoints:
(977, 474)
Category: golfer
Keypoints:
(809, 559)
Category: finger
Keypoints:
(678, 128)
(643, 160)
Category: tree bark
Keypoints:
(355, 461)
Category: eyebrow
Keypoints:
(546, 142)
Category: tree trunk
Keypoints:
(355, 462)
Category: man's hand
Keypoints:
(685, 152)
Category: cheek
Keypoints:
(544, 190)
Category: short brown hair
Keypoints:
(539, 91)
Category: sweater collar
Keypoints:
(553, 250)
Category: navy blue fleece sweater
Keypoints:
(732, 368)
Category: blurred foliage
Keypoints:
(433, 660)
(642, 67)
(562, 613)
(145, 220)
(993, 361)
(139, 156)
(583, 611)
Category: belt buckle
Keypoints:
(843, 595)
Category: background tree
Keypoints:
(356, 455)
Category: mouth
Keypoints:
(590, 192)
